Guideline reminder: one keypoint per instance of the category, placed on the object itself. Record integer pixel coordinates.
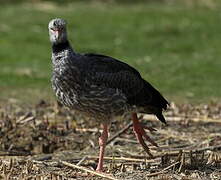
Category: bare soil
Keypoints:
(43, 141)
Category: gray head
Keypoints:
(57, 31)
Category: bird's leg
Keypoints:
(102, 143)
(140, 133)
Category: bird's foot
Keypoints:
(140, 133)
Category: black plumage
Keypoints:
(112, 73)
(101, 86)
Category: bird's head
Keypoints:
(57, 31)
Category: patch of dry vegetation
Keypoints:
(47, 140)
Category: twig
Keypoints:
(182, 162)
(126, 140)
(177, 119)
(171, 166)
(88, 170)
(24, 121)
(162, 171)
(14, 153)
(81, 161)
(120, 132)
(87, 129)
(44, 157)
(218, 147)
(125, 159)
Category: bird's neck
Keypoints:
(57, 48)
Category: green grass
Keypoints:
(175, 47)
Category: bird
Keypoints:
(101, 87)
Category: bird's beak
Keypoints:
(57, 34)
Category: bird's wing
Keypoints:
(104, 63)
(113, 73)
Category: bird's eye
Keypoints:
(52, 29)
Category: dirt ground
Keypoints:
(46, 141)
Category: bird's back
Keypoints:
(117, 74)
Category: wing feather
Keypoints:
(113, 73)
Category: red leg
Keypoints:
(140, 133)
(102, 144)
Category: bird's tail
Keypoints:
(161, 117)
(157, 99)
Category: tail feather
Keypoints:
(161, 118)
(158, 102)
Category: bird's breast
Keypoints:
(66, 84)
(93, 100)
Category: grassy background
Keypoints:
(176, 47)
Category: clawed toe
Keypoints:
(143, 144)
(140, 133)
